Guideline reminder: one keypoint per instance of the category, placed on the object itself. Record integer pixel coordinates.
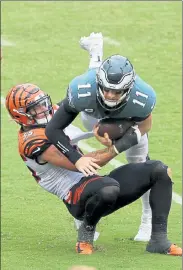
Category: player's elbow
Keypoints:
(146, 130)
(146, 125)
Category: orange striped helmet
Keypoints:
(28, 105)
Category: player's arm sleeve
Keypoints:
(54, 130)
(129, 139)
(34, 147)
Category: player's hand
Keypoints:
(103, 140)
(87, 165)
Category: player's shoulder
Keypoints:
(141, 101)
(88, 76)
(85, 79)
(81, 92)
(33, 142)
(143, 87)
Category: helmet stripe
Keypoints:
(20, 97)
(14, 95)
(31, 92)
(7, 102)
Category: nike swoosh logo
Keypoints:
(37, 150)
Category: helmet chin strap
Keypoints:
(112, 103)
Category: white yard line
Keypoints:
(177, 198)
(107, 40)
(111, 41)
(3, 101)
(5, 42)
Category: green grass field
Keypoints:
(37, 231)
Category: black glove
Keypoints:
(129, 139)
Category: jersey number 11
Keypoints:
(81, 86)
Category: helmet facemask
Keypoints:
(113, 103)
(116, 74)
(40, 110)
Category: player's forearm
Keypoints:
(129, 139)
(54, 132)
(56, 158)
(103, 155)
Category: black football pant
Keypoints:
(96, 196)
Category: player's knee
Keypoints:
(160, 171)
(109, 194)
(136, 159)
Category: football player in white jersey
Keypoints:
(88, 198)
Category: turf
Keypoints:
(37, 231)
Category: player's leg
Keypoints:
(77, 225)
(160, 201)
(136, 179)
(91, 198)
(88, 122)
(76, 135)
(95, 207)
(136, 154)
(94, 45)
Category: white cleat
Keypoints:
(144, 233)
(77, 224)
(93, 43)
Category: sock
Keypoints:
(146, 209)
(159, 228)
(86, 233)
(95, 62)
(160, 201)
(96, 55)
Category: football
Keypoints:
(115, 128)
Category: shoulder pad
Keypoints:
(142, 97)
(81, 92)
(32, 143)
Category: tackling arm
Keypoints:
(55, 157)
(54, 131)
